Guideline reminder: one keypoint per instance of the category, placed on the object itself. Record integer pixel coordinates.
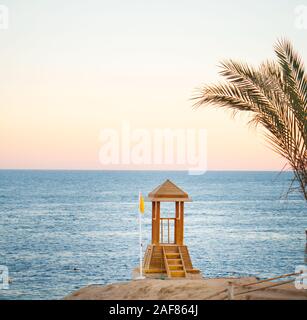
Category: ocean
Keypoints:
(62, 230)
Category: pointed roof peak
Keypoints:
(168, 191)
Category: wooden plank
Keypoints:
(174, 261)
(155, 270)
(166, 263)
(178, 267)
(147, 257)
(184, 270)
(177, 274)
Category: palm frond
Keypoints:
(275, 94)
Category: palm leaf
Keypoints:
(275, 94)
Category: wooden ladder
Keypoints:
(173, 261)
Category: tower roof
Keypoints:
(168, 191)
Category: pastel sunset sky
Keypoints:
(72, 68)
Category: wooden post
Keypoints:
(153, 213)
(155, 232)
(176, 226)
(179, 222)
(158, 222)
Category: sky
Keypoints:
(71, 69)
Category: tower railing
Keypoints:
(170, 223)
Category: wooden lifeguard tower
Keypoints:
(167, 253)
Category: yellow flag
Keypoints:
(141, 203)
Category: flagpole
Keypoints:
(140, 239)
(141, 267)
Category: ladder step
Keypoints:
(177, 274)
(176, 267)
(171, 250)
(174, 261)
(172, 255)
